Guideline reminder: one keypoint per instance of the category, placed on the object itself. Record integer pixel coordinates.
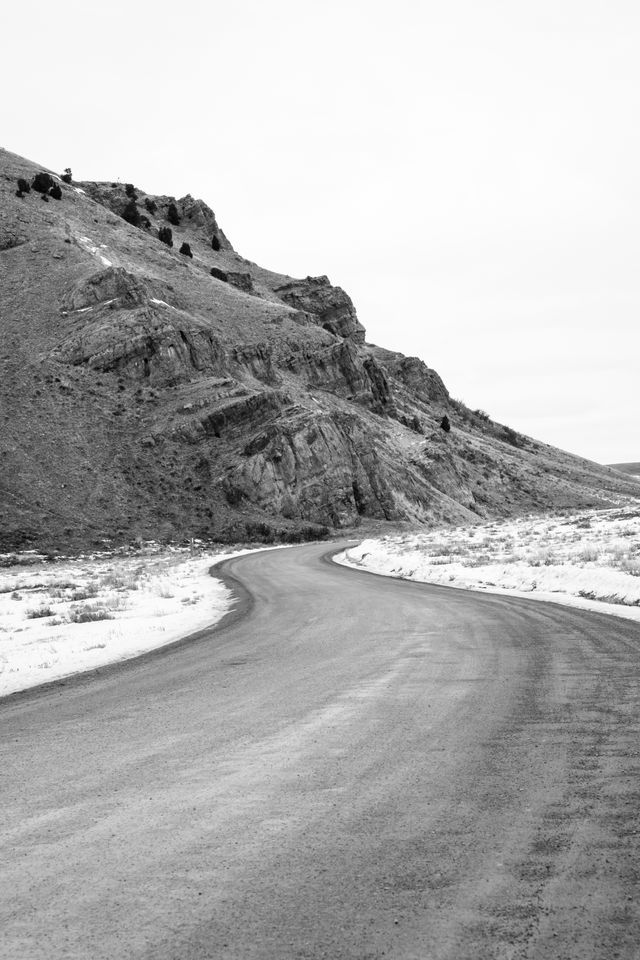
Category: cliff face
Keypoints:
(143, 395)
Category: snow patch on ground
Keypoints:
(61, 618)
(161, 303)
(589, 560)
(94, 250)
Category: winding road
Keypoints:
(348, 767)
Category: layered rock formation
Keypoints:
(150, 394)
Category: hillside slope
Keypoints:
(633, 469)
(142, 396)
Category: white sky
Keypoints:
(468, 170)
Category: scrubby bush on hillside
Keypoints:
(481, 415)
(56, 192)
(215, 243)
(444, 423)
(219, 274)
(510, 436)
(165, 234)
(145, 223)
(186, 250)
(131, 214)
(151, 205)
(42, 182)
(23, 186)
(66, 176)
(172, 214)
(130, 191)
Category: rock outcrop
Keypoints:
(331, 306)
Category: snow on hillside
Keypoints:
(590, 559)
(72, 615)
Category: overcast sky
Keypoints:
(468, 170)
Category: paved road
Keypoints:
(358, 767)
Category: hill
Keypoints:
(149, 392)
(631, 468)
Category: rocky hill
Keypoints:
(160, 385)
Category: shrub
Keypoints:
(219, 274)
(481, 415)
(23, 186)
(88, 614)
(445, 425)
(56, 192)
(151, 205)
(145, 222)
(66, 176)
(172, 214)
(186, 250)
(130, 191)
(131, 213)
(215, 243)
(510, 436)
(44, 611)
(42, 182)
(165, 234)
(19, 193)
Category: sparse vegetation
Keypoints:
(445, 424)
(185, 249)
(172, 215)
(130, 191)
(215, 243)
(533, 555)
(219, 274)
(66, 176)
(56, 192)
(151, 205)
(23, 186)
(163, 591)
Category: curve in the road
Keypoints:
(353, 767)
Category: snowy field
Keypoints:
(589, 559)
(66, 616)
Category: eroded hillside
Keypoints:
(148, 392)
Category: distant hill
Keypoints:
(175, 389)
(630, 468)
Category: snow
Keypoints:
(162, 303)
(140, 602)
(589, 560)
(79, 190)
(94, 250)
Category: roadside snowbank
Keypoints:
(589, 560)
(65, 617)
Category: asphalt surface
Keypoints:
(352, 766)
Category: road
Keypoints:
(351, 767)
